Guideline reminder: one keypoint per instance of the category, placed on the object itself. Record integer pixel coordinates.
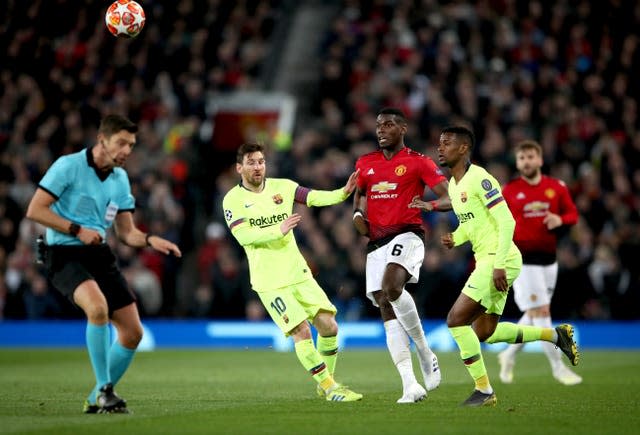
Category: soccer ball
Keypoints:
(125, 18)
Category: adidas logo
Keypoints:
(337, 398)
(370, 171)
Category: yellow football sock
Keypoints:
(313, 363)
(471, 355)
(328, 350)
(507, 332)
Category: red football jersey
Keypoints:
(391, 185)
(529, 205)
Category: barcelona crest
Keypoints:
(285, 318)
(277, 198)
(463, 196)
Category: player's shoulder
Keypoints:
(410, 152)
(477, 171)
(368, 157)
(233, 193)
(552, 181)
(70, 163)
(279, 183)
(513, 183)
(72, 158)
(479, 176)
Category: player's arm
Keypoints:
(130, 235)
(39, 210)
(321, 198)
(506, 225)
(360, 221)
(443, 203)
(247, 235)
(568, 212)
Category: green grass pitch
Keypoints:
(260, 392)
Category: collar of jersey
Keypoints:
(264, 185)
(102, 175)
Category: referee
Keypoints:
(78, 199)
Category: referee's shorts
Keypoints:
(70, 266)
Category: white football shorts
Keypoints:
(535, 285)
(406, 249)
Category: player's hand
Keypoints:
(89, 236)
(447, 240)
(352, 182)
(164, 246)
(552, 221)
(417, 202)
(362, 225)
(500, 280)
(290, 223)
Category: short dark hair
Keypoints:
(462, 132)
(394, 111)
(248, 148)
(111, 124)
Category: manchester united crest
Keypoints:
(277, 198)
(463, 196)
(400, 170)
(549, 193)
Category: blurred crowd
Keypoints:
(559, 72)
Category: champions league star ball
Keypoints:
(125, 18)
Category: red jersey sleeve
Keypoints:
(431, 174)
(568, 210)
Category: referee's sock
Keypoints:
(97, 337)
(120, 358)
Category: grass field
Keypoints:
(256, 392)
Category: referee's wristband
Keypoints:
(146, 239)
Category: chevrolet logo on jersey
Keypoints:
(383, 187)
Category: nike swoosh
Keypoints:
(247, 205)
(470, 286)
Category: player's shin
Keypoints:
(328, 350)
(407, 314)
(471, 355)
(398, 345)
(508, 332)
(313, 363)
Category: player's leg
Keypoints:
(327, 341)
(91, 300)
(400, 351)
(396, 337)
(542, 317)
(127, 322)
(291, 317)
(404, 256)
(508, 332)
(463, 313)
(323, 314)
(527, 289)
